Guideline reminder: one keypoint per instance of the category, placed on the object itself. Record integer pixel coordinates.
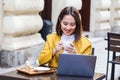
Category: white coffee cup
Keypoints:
(66, 44)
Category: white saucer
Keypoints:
(41, 68)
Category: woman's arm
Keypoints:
(45, 54)
(51, 47)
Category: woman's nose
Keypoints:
(68, 27)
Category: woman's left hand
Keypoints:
(71, 49)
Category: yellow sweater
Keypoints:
(83, 46)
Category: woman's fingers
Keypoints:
(71, 49)
(59, 46)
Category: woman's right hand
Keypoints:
(59, 46)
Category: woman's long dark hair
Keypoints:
(75, 13)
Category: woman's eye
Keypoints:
(72, 24)
(65, 23)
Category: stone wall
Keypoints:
(1, 21)
(115, 16)
(100, 17)
(105, 17)
(21, 23)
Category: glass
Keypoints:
(31, 62)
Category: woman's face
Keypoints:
(68, 25)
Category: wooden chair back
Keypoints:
(114, 42)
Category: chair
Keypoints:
(113, 40)
(93, 51)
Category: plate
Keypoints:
(41, 68)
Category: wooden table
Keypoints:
(15, 75)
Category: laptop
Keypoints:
(76, 65)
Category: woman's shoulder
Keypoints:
(52, 35)
(85, 39)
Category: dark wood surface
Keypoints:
(15, 75)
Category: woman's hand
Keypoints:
(71, 49)
(59, 46)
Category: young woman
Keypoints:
(67, 39)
